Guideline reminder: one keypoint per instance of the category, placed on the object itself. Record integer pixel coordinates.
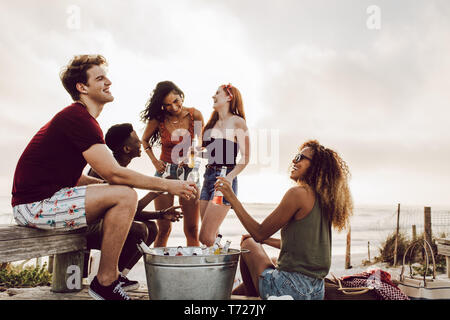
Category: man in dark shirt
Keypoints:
(123, 141)
(50, 191)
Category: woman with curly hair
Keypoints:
(320, 199)
(171, 125)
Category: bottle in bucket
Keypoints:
(216, 246)
(166, 252)
(179, 251)
(218, 196)
(226, 247)
(204, 249)
(143, 246)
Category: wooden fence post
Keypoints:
(427, 224)
(396, 235)
(347, 249)
(50, 263)
(414, 232)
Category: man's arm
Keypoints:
(102, 161)
(170, 213)
(85, 180)
(149, 197)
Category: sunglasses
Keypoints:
(228, 88)
(299, 157)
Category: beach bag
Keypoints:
(335, 291)
(426, 287)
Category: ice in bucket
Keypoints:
(190, 276)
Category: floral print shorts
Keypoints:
(63, 211)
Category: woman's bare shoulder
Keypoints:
(239, 122)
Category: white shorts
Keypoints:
(64, 210)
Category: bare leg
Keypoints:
(256, 262)
(246, 288)
(212, 219)
(203, 206)
(145, 230)
(191, 214)
(117, 206)
(164, 226)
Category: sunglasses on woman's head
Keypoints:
(299, 157)
(228, 88)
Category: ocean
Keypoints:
(370, 225)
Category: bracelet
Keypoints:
(145, 149)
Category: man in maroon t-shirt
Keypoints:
(50, 191)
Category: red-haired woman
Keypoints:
(224, 136)
(320, 199)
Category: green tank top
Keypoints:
(306, 245)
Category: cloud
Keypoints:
(306, 69)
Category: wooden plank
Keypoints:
(444, 250)
(45, 293)
(22, 249)
(21, 243)
(443, 241)
(11, 232)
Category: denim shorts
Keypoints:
(210, 178)
(275, 282)
(174, 175)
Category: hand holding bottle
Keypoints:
(223, 185)
(181, 188)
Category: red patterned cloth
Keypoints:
(379, 280)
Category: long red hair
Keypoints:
(236, 106)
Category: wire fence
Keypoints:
(412, 220)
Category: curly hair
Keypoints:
(154, 106)
(76, 72)
(328, 176)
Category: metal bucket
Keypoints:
(201, 277)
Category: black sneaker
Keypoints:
(128, 284)
(112, 292)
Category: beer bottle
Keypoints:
(216, 246)
(218, 196)
(204, 249)
(179, 251)
(226, 247)
(191, 163)
(194, 176)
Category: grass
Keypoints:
(387, 254)
(24, 276)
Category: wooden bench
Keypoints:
(68, 247)
(443, 247)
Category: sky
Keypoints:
(368, 79)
